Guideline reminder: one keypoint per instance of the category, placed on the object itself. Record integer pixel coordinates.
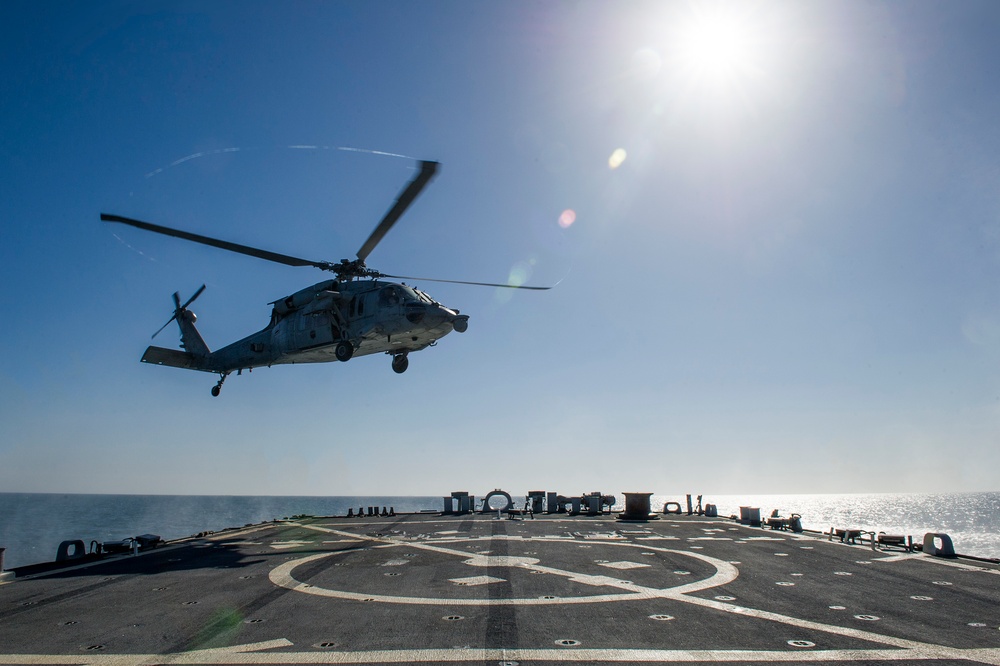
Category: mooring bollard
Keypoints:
(947, 548)
(637, 507)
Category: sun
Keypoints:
(719, 44)
(714, 43)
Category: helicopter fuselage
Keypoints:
(329, 321)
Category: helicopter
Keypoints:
(356, 313)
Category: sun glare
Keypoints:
(719, 45)
(713, 44)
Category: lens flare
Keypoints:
(567, 218)
(617, 157)
(519, 274)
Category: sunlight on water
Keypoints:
(971, 519)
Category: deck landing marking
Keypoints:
(476, 580)
(622, 565)
(724, 573)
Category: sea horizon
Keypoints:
(32, 525)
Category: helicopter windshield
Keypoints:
(394, 294)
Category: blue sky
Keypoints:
(782, 275)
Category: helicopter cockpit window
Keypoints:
(390, 296)
(409, 294)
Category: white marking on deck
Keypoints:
(623, 565)
(476, 580)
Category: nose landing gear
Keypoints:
(218, 387)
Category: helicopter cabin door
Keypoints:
(364, 311)
(315, 329)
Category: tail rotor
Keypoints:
(180, 310)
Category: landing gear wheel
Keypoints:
(344, 351)
(400, 363)
(218, 387)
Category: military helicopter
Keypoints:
(355, 314)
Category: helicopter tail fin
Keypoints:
(191, 339)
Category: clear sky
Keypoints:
(781, 273)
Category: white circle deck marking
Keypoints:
(724, 573)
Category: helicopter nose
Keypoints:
(439, 315)
(415, 312)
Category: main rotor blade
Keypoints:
(477, 284)
(407, 197)
(214, 242)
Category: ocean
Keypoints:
(33, 525)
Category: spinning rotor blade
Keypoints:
(178, 308)
(214, 242)
(478, 284)
(413, 189)
(190, 300)
(160, 329)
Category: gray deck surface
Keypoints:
(474, 589)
